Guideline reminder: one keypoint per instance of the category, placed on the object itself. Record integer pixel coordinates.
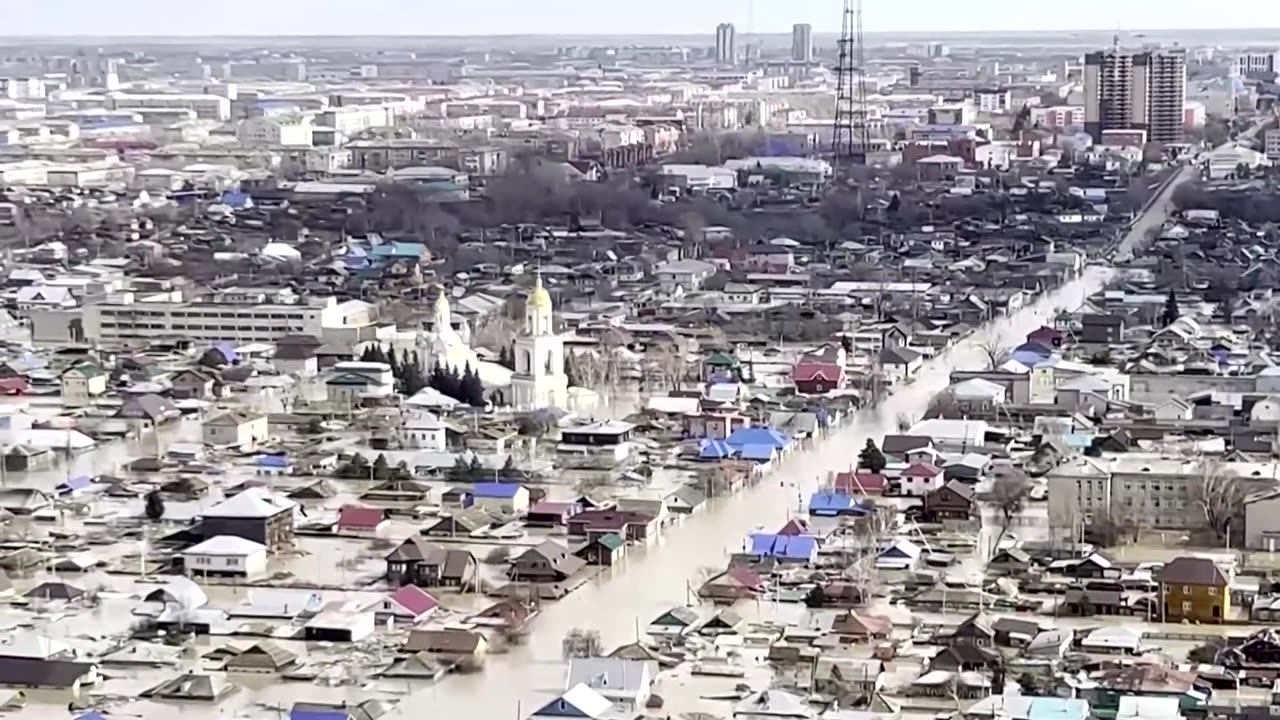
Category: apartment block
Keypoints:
(1136, 91)
(726, 44)
(1258, 63)
(206, 107)
(232, 315)
(802, 42)
(1271, 144)
(1058, 116)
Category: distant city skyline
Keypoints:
(588, 17)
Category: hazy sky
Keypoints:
(480, 17)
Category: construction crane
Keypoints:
(850, 139)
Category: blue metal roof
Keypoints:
(790, 547)
(715, 450)
(829, 500)
(757, 452)
(276, 461)
(496, 490)
(758, 436)
(400, 250)
(302, 714)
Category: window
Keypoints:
(1186, 589)
(1186, 606)
(1213, 591)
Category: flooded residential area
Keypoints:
(773, 376)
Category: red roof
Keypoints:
(1044, 331)
(808, 371)
(796, 526)
(360, 517)
(414, 599)
(922, 470)
(859, 483)
(743, 576)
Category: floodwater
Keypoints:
(620, 604)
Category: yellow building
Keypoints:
(1194, 589)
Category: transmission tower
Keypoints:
(849, 138)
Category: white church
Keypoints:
(442, 345)
(539, 380)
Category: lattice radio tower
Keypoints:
(850, 139)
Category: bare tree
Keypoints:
(579, 643)
(591, 371)
(1009, 495)
(1117, 527)
(944, 405)
(1220, 497)
(992, 350)
(669, 365)
(496, 331)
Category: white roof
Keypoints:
(430, 397)
(184, 591)
(1113, 636)
(252, 503)
(226, 545)
(941, 429)
(281, 250)
(31, 645)
(976, 389)
(589, 702)
(46, 439)
(1133, 707)
(423, 421)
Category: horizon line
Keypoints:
(709, 33)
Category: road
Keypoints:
(1162, 205)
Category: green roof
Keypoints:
(611, 541)
(720, 358)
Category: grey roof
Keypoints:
(233, 418)
(146, 407)
(1192, 571)
(894, 355)
(191, 686)
(41, 673)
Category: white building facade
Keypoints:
(539, 380)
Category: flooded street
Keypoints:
(654, 579)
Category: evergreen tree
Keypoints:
(453, 384)
(393, 362)
(381, 468)
(506, 357)
(155, 506)
(1171, 312)
(412, 380)
(367, 354)
(571, 370)
(470, 389)
(509, 471)
(871, 458)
